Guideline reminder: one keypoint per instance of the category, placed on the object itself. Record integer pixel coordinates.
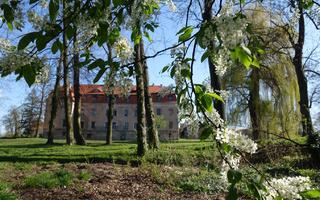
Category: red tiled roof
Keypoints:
(99, 89)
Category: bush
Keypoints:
(49, 179)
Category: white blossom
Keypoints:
(287, 187)
(236, 140)
(5, 45)
(124, 50)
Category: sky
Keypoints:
(12, 93)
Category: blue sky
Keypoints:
(13, 93)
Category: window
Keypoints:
(135, 112)
(93, 111)
(135, 125)
(82, 124)
(114, 125)
(106, 125)
(93, 125)
(170, 97)
(126, 125)
(64, 123)
(115, 113)
(171, 111)
(158, 111)
(170, 125)
(126, 112)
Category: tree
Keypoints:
(76, 89)
(55, 95)
(215, 79)
(30, 111)
(152, 132)
(12, 122)
(66, 84)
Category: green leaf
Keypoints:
(215, 96)
(70, 30)
(186, 73)
(53, 9)
(99, 75)
(205, 56)
(234, 176)
(243, 55)
(146, 34)
(97, 63)
(7, 12)
(33, 1)
(206, 132)
(29, 74)
(57, 45)
(173, 71)
(186, 33)
(10, 26)
(207, 103)
(311, 194)
(165, 68)
(41, 42)
(26, 39)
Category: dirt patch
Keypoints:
(108, 182)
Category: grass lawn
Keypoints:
(184, 169)
(35, 150)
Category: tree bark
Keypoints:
(77, 96)
(54, 104)
(111, 100)
(152, 132)
(215, 80)
(141, 113)
(253, 103)
(66, 85)
(302, 79)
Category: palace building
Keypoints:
(94, 109)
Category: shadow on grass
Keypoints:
(30, 146)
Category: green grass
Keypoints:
(34, 150)
(5, 192)
(49, 180)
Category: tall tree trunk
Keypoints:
(66, 84)
(77, 96)
(253, 103)
(215, 80)
(141, 112)
(302, 80)
(111, 97)
(111, 100)
(41, 109)
(54, 104)
(152, 132)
